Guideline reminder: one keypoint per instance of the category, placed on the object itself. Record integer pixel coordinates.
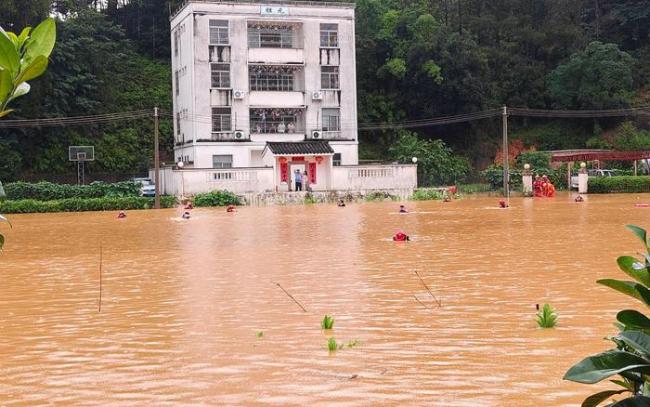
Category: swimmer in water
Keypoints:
(341, 203)
(189, 206)
(231, 208)
(401, 237)
(446, 198)
(579, 198)
(503, 204)
(121, 215)
(402, 209)
(186, 215)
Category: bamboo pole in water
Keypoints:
(291, 296)
(428, 289)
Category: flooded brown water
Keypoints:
(183, 302)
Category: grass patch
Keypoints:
(547, 317)
(621, 184)
(83, 204)
(379, 196)
(426, 194)
(332, 345)
(216, 198)
(327, 322)
(259, 335)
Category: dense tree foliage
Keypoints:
(416, 59)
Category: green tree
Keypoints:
(600, 77)
(437, 165)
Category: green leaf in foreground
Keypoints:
(599, 367)
(596, 399)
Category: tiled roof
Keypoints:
(300, 148)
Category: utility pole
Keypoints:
(156, 158)
(506, 164)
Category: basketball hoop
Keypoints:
(81, 154)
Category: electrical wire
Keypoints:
(75, 120)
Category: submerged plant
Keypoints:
(631, 357)
(327, 322)
(353, 343)
(259, 335)
(332, 345)
(547, 317)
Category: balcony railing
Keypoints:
(328, 135)
(227, 136)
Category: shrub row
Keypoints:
(605, 185)
(216, 198)
(48, 191)
(425, 194)
(83, 204)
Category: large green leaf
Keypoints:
(636, 340)
(630, 288)
(635, 269)
(21, 90)
(6, 85)
(24, 34)
(596, 399)
(35, 69)
(640, 233)
(9, 57)
(638, 401)
(598, 367)
(41, 41)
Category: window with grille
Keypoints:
(271, 81)
(219, 32)
(336, 160)
(329, 77)
(178, 123)
(329, 35)
(222, 161)
(331, 120)
(220, 76)
(270, 37)
(176, 34)
(176, 75)
(221, 119)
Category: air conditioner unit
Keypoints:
(316, 134)
(317, 95)
(239, 135)
(238, 94)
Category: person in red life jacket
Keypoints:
(446, 198)
(189, 206)
(579, 198)
(121, 215)
(231, 208)
(537, 187)
(402, 209)
(503, 204)
(453, 189)
(548, 189)
(401, 237)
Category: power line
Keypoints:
(75, 120)
(644, 110)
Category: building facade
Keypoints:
(263, 90)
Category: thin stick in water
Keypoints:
(421, 303)
(291, 296)
(427, 287)
(100, 278)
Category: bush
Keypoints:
(424, 194)
(216, 198)
(83, 204)
(605, 185)
(494, 175)
(47, 191)
(380, 196)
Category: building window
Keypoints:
(221, 119)
(176, 75)
(331, 120)
(178, 123)
(329, 77)
(271, 81)
(276, 121)
(222, 161)
(270, 37)
(219, 32)
(329, 35)
(176, 33)
(220, 76)
(336, 160)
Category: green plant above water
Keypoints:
(259, 335)
(332, 345)
(547, 317)
(327, 322)
(631, 357)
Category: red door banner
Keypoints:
(312, 173)
(284, 172)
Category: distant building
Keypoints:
(262, 90)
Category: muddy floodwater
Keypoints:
(191, 313)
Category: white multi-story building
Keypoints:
(264, 90)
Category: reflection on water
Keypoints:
(183, 301)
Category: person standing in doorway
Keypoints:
(298, 178)
(305, 180)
